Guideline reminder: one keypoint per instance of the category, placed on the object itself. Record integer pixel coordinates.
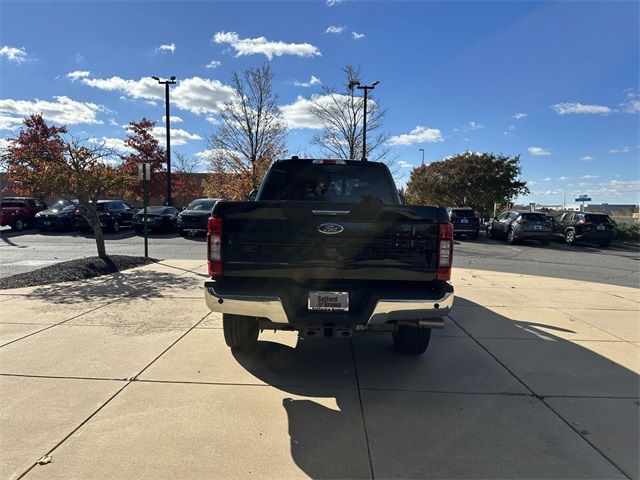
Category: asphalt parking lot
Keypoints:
(614, 265)
(127, 377)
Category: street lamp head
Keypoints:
(156, 79)
(421, 149)
(353, 83)
(375, 83)
(173, 78)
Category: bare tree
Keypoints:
(342, 116)
(252, 129)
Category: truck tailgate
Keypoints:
(283, 240)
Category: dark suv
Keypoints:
(589, 227)
(20, 212)
(194, 217)
(114, 214)
(465, 222)
(514, 226)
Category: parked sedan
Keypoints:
(114, 214)
(590, 227)
(193, 219)
(60, 215)
(515, 226)
(158, 219)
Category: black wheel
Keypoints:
(18, 225)
(181, 232)
(115, 226)
(240, 332)
(511, 236)
(604, 244)
(570, 237)
(411, 340)
(138, 230)
(545, 242)
(474, 236)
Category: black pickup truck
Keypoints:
(328, 249)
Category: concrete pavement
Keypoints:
(128, 376)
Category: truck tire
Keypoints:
(18, 225)
(411, 340)
(240, 332)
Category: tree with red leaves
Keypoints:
(146, 149)
(44, 160)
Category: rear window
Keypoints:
(535, 217)
(329, 183)
(462, 213)
(597, 218)
(13, 203)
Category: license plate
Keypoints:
(329, 301)
(600, 227)
(47, 223)
(537, 227)
(464, 220)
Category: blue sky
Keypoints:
(556, 83)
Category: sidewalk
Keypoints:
(128, 377)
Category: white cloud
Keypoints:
(212, 120)
(581, 108)
(475, 125)
(587, 158)
(620, 150)
(62, 111)
(519, 116)
(4, 144)
(539, 151)
(78, 58)
(403, 164)
(335, 29)
(172, 118)
(178, 136)
(588, 177)
(171, 47)
(260, 45)
(632, 107)
(7, 122)
(195, 94)
(298, 114)
(213, 64)
(116, 144)
(331, 3)
(419, 134)
(78, 74)
(357, 36)
(312, 81)
(13, 54)
(562, 179)
(546, 179)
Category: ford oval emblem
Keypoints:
(330, 228)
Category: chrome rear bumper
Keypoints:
(386, 309)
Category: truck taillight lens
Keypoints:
(445, 251)
(214, 246)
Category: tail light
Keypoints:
(445, 251)
(214, 246)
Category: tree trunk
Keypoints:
(97, 232)
(90, 214)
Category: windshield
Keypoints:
(62, 204)
(328, 183)
(597, 218)
(156, 210)
(201, 205)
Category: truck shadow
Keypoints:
(458, 397)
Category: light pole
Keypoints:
(366, 88)
(422, 150)
(166, 84)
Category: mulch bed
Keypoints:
(80, 269)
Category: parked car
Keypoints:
(515, 226)
(158, 219)
(20, 212)
(193, 218)
(114, 214)
(60, 215)
(465, 222)
(328, 249)
(590, 227)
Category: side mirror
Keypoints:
(403, 200)
(184, 208)
(252, 195)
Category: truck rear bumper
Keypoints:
(385, 309)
